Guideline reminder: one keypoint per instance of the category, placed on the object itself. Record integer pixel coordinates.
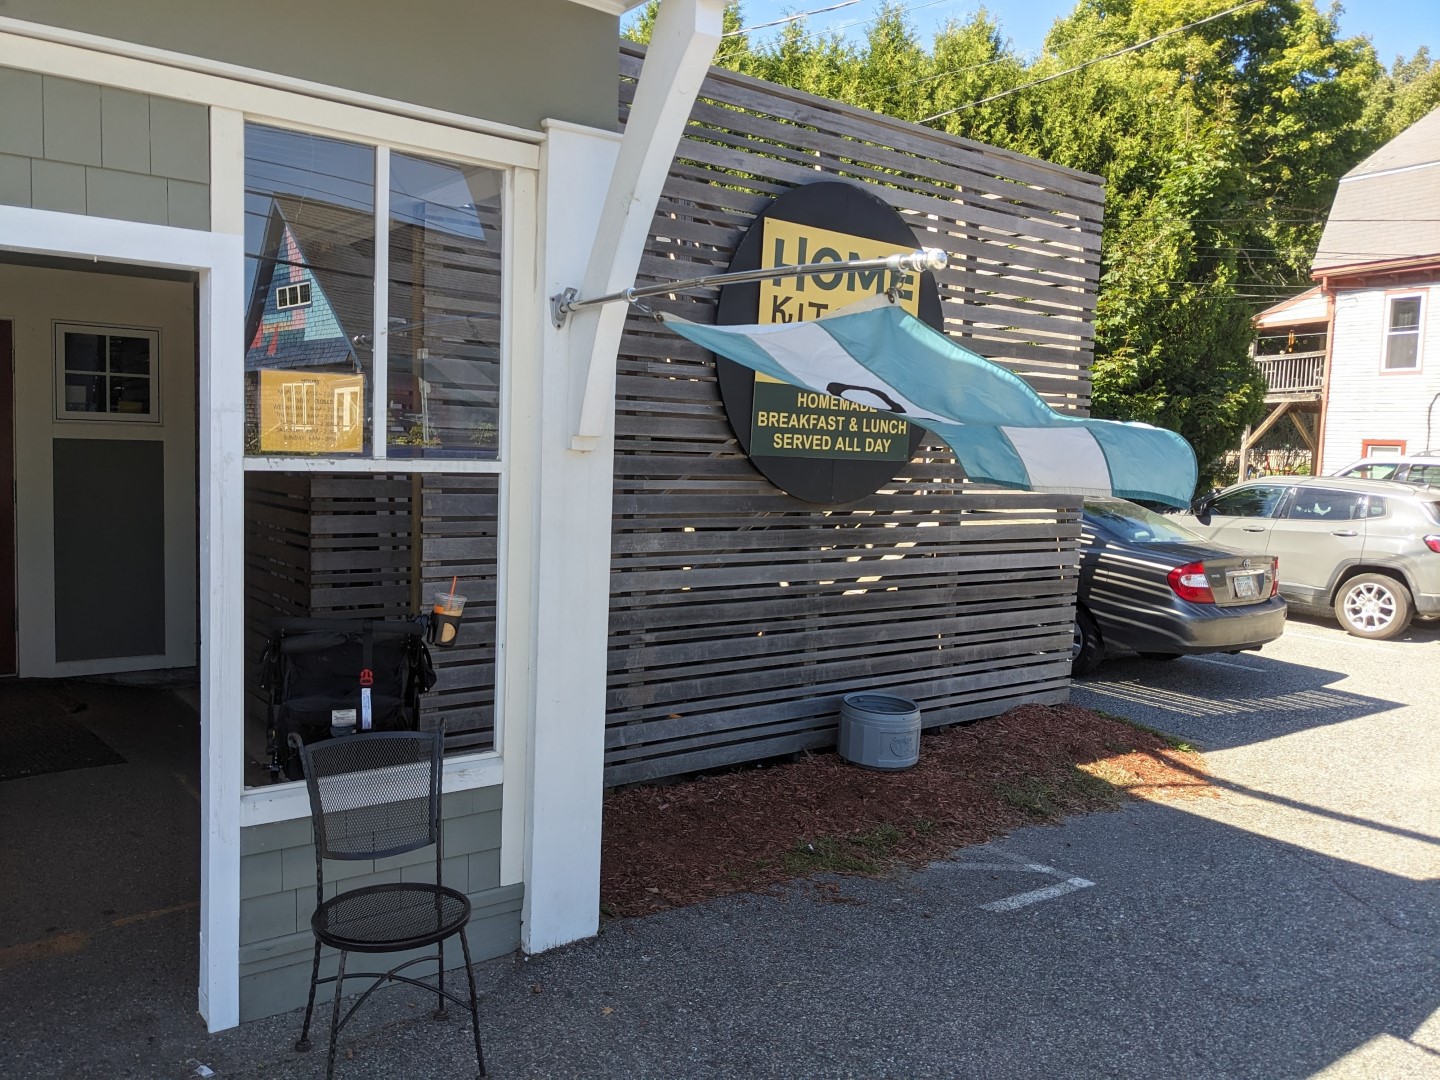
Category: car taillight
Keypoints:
(1190, 583)
(1433, 543)
(1274, 577)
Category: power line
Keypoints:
(788, 19)
(876, 18)
(1089, 63)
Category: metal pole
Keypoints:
(922, 259)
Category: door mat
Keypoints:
(36, 742)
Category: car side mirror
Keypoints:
(1202, 506)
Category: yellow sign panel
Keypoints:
(797, 299)
(304, 412)
(787, 421)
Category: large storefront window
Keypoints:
(324, 346)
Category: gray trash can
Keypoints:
(879, 731)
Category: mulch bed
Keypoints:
(749, 830)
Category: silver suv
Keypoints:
(1416, 468)
(1367, 549)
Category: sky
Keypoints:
(1395, 27)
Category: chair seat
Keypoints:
(390, 917)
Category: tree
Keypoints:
(1221, 135)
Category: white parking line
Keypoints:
(1010, 903)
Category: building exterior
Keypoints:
(282, 346)
(1372, 325)
(160, 302)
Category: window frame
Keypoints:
(519, 208)
(1388, 333)
(59, 328)
(1369, 446)
(301, 288)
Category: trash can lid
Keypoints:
(880, 703)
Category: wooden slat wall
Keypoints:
(277, 579)
(740, 615)
(461, 531)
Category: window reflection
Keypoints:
(309, 278)
(444, 320)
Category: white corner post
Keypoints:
(222, 574)
(598, 199)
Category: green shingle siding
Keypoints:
(81, 149)
(277, 890)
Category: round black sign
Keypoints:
(821, 222)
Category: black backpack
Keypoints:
(316, 672)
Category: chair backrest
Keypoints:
(374, 795)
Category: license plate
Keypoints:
(1247, 586)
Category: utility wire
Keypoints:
(876, 18)
(789, 19)
(1089, 63)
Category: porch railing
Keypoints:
(1293, 373)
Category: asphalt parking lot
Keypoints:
(1287, 927)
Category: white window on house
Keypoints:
(1379, 448)
(106, 373)
(1402, 334)
(291, 296)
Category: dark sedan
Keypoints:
(1151, 585)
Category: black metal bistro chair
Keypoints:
(373, 796)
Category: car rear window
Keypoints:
(1137, 524)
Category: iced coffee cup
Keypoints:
(445, 618)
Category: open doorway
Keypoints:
(99, 725)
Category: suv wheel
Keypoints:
(1086, 649)
(1374, 606)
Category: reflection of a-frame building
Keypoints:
(308, 332)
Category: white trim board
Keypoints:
(290, 801)
(218, 260)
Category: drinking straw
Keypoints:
(453, 582)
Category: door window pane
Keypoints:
(309, 281)
(1316, 504)
(1258, 501)
(84, 352)
(105, 374)
(445, 303)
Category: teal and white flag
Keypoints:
(875, 353)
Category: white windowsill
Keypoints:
(288, 801)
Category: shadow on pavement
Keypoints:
(1213, 938)
(1201, 950)
(1224, 701)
